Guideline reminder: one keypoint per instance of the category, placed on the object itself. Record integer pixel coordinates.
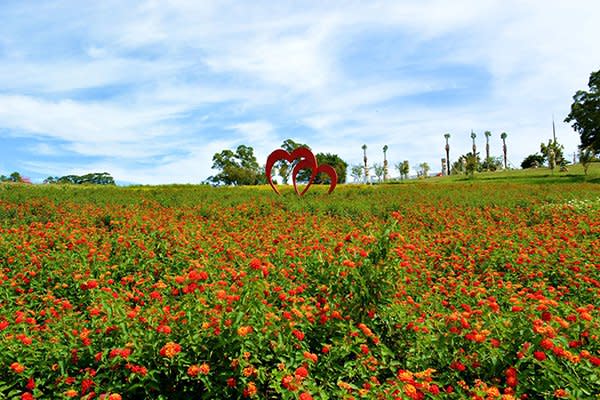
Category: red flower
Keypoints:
(539, 355)
(288, 382)
(546, 344)
(457, 365)
(546, 316)
(301, 372)
(299, 334)
(305, 396)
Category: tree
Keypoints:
(585, 114)
(533, 161)
(283, 167)
(487, 144)
(473, 136)
(447, 136)
(356, 172)
(503, 136)
(472, 164)
(467, 164)
(553, 153)
(586, 156)
(14, 177)
(364, 147)
(379, 171)
(405, 169)
(424, 169)
(239, 168)
(336, 162)
(385, 163)
(492, 164)
(95, 178)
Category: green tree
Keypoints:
(284, 168)
(586, 157)
(458, 166)
(424, 169)
(473, 136)
(585, 114)
(405, 170)
(553, 153)
(503, 136)
(533, 161)
(336, 162)
(385, 163)
(492, 164)
(95, 178)
(239, 168)
(364, 147)
(487, 144)
(356, 171)
(15, 177)
(379, 171)
(447, 136)
(472, 164)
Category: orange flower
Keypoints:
(244, 330)
(114, 396)
(193, 370)
(17, 367)
(71, 393)
(250, 390)
(204, 368)
(170, 350)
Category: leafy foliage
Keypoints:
(553, 153)
(533, 161)
(585, 114)
(96, 178)
(239, 168)
(334, 160)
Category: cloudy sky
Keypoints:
(149, 90)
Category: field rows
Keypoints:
(406, 291)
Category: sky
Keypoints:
(149, 91)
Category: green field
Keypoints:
(429, 289)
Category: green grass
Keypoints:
(575, 174)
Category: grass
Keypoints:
(575, 174)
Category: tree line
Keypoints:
(240, 167)
(95, 178)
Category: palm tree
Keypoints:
(487, 144)
(503, 135)
(378, 168)
(473, 136)
(447, 136)
(364, 147)
(385, 163)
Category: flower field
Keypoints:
(411, 291)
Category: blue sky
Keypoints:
(149, 90)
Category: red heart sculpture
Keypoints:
(325, 168)
(307, 158)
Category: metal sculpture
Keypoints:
(304, 159)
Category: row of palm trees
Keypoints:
(487, 134)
